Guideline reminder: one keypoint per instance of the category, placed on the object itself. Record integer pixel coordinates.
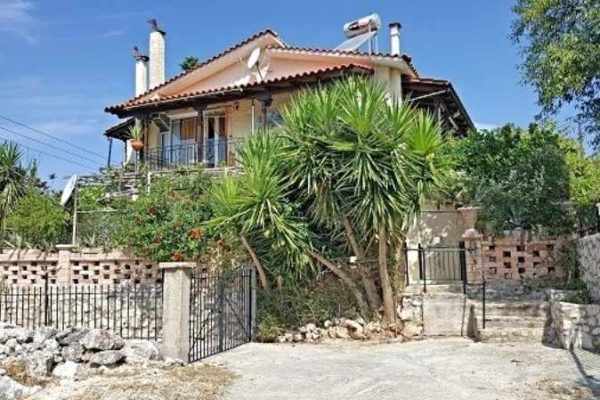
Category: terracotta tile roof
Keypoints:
(205, 62)
(293, 49)
(230, 88)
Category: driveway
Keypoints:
(450, 369)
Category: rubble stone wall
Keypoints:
(575, 325)
(588, 257)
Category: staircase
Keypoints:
(513, 320)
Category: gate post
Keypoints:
(177, 284)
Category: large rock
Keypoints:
(106, 358)
(68, 370)
(11, 390)
(39, 363)
(73, 352)
(99, 339)
(42, 334)
(139, 351)
(70, 336)
(22, 335)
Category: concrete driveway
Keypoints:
(450, 369)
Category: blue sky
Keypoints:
(62, 61)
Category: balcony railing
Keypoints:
(214, 153)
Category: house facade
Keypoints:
(201, 115)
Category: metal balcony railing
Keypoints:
(213, 153)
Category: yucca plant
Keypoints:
(14, 179)
(363, 162)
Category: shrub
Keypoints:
(39, 220)
(292, 307)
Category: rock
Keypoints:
(107, 358)
(2, 372)
(69, 336)
(340, 332)
(68, 370)
(352, 325)
(22, 335)
(297, 337)
(373, 327)
(3, 336)
(12, 344)
(327, 324)
(51, 345)
(39, 364)
(4, 349)
(12, 390)
(361, 321)
(42, 334)
(99, 339)
(73, 352)
(311, 327)
(303, 329)
(412, 329)
(139, 351)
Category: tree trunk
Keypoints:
(389, 314)
(367, 280)
(345, 278)
(262, 276)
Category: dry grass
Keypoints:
(17, 370)
(191, 382)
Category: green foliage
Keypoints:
(39, 221)
(257, 204)
(166, 223)
(189, 63)
(135, 132)
(584, 174)
(560, 44)
(353, 154)
(294, 306)
(519, 177)
(14, 178)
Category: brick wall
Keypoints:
(87, 266)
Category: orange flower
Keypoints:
(196, 233)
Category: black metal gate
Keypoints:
(440, 265)
(221, 311)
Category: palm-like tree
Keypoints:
(14, 179)
(363, 163)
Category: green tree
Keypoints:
(519, 176)
(349, 168)
(189, 63)
(39, 220)
(560, 41)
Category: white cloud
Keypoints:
(113, 33)
(485, 126)
(16, 18)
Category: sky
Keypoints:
(63, 61)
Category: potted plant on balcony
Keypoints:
(135, 135)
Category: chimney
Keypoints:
(395, 38)
(141, 71)
(157, 55)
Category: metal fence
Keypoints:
(212, 153)
(221, 306)
(439, 265)
(134, 311)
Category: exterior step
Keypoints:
(511, 321)
(514, 309)
(507, 335)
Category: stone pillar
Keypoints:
(176, 309)
(63, 266)
(473, 241)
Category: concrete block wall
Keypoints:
(67, 267)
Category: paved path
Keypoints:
(452, 369)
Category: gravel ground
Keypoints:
(434, 369)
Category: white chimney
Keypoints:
(141, 72)
(157, 55)
(395, 38)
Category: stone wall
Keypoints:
(574, 326)
(588, 256)
(65, 266)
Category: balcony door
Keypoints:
(215, 134)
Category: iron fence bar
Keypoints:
(483, 303)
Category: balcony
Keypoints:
(213, 153)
